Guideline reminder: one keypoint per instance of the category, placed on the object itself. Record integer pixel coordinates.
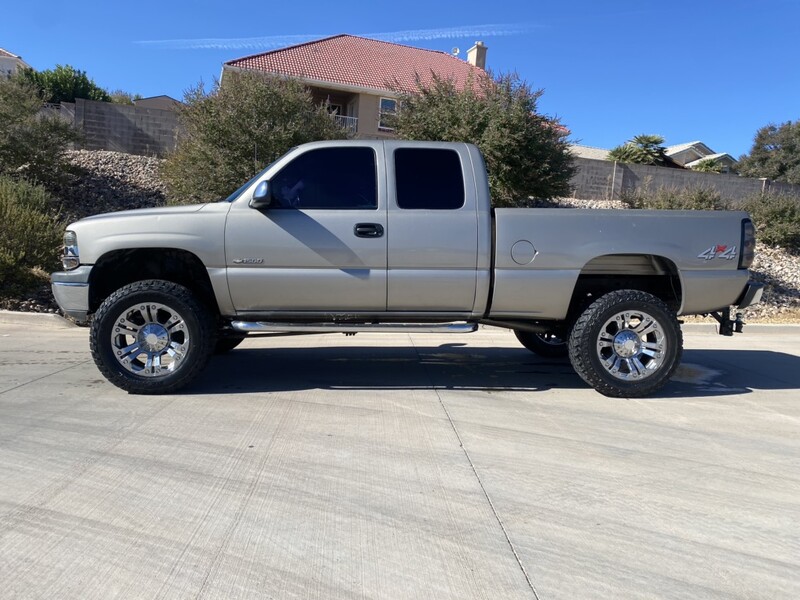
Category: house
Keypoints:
(360, 79)
(10, 64)
(691, 154)
(162, 102)
(588, 152)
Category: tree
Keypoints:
(64, 84)
(526, 153)
(643, 149)
(229, 134)
(123, 97)
(32, 145)
(775, 153)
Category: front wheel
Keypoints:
(151, 337)
(627, 344)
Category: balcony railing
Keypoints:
(347, 123)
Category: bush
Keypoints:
(237, 129)
(777, 219)
(672, 199)
(30, 236)
(32, 145)
(526, 153)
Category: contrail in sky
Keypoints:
(279, 41)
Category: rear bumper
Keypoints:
(71, 291)
(751, 295)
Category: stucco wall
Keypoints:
(368, 118)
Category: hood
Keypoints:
(147, 212)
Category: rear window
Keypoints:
(428, 178)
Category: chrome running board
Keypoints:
(264, 327)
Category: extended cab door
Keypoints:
(321, 245)
(433, 228)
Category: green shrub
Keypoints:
(777, 219)
(29, 238)
(672, 199)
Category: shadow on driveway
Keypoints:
(463, 367)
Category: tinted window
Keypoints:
(336, 178)
(428, 178)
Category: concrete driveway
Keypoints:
(399, 466)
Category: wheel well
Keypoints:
(121, 267)
(645, 272)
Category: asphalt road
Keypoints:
(399, 466)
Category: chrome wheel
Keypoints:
(150, 339)
(626, 344)
(631, 345)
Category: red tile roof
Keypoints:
(363, 62)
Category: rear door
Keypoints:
(433, 228)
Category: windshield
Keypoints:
(242, 188)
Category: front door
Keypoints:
(321, 246)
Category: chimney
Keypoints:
(477, 55)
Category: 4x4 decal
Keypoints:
(726, 252)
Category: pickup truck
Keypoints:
(352, 236)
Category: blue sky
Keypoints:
(707, 70)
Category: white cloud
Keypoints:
(471, 32)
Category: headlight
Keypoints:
(70, 258)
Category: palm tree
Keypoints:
(643, 149)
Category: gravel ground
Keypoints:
(110, 181)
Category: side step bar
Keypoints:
(263, 327)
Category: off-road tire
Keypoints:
(195, 317)
(596, 337)
(543, 344)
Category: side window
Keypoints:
(331, 178)
(428, 178)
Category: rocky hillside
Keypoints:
(103, 181)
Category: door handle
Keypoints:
(368, 230)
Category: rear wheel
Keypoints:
(547, 345)
(626, 344)
(151, 337)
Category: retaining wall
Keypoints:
(609, 180)
(126, 128)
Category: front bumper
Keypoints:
(751, 295)
(71, 291)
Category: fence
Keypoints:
(608, 180)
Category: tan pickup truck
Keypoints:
(398, 236)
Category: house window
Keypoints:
(428, 178)
(388, 109)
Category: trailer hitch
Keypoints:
(728, 326)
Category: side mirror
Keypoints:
(262, 198)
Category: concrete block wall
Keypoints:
(125, 128)
(608, 180)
